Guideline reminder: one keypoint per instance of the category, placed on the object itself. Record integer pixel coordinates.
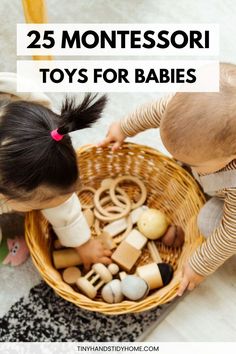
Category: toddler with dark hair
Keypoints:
(38, 164)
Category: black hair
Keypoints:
(29, 156)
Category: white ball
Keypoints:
(111, 292)
(134, 288)
(153, 223)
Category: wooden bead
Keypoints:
(113, 268)
(66, 258)
(71, 274)
(174, 236)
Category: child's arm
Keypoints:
(217, 248)
(71, 227)
(145, 117)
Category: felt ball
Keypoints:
(174, 236)
(166, 271)
(134, 288)
(111, 292)
(152, 223)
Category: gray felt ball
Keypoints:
(134, 288)
(111, 292)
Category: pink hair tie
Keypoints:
(55, 135)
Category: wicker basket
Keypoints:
(170, 188)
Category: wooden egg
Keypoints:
(134, 288)
(152, 223)
(111, 292)
(174, 236)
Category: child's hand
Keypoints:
(116, 135)
(190, 279)
(93, 252)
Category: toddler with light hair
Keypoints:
(198, 129)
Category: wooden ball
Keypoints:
(174, 236)
(134, 288)
(152, 223)
(113, 268)
(111, 292)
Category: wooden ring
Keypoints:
(107, 199)
(84, 189)
(112, 216)
(136, 181)
(102, 211)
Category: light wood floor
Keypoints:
(206, 314)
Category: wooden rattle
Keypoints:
(71, 274)
(98, 274)
(65, 258)
(114, 186)
(156, 275)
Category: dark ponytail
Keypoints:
(74, 117)
(29, 156)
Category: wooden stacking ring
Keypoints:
(135, 180)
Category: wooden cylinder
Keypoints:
(66, 258)
(71, 275)
(151, 274)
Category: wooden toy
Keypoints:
(71, 274)
(65, 258)
(126, 255)
(107, 182)
(174, 236)
(152, 223)
(154, 252)
(111, 292)
(118, 226)
(156, 275)
(86, 189)
(57, 245)
(103, 214)
(113, 268)
(122, 275)
(89, 217)
(136, 239)
(93, 280)
(117, 181)
(134, 288)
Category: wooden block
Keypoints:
(136, 239)
(126, 256)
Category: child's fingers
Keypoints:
(183, 286)
(107, 253)
(105, 260)
(116, 146)
(105, 142)
(191, 286)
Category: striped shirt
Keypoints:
(221, 244)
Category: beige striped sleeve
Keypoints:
(221, 244)
(145, 117)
